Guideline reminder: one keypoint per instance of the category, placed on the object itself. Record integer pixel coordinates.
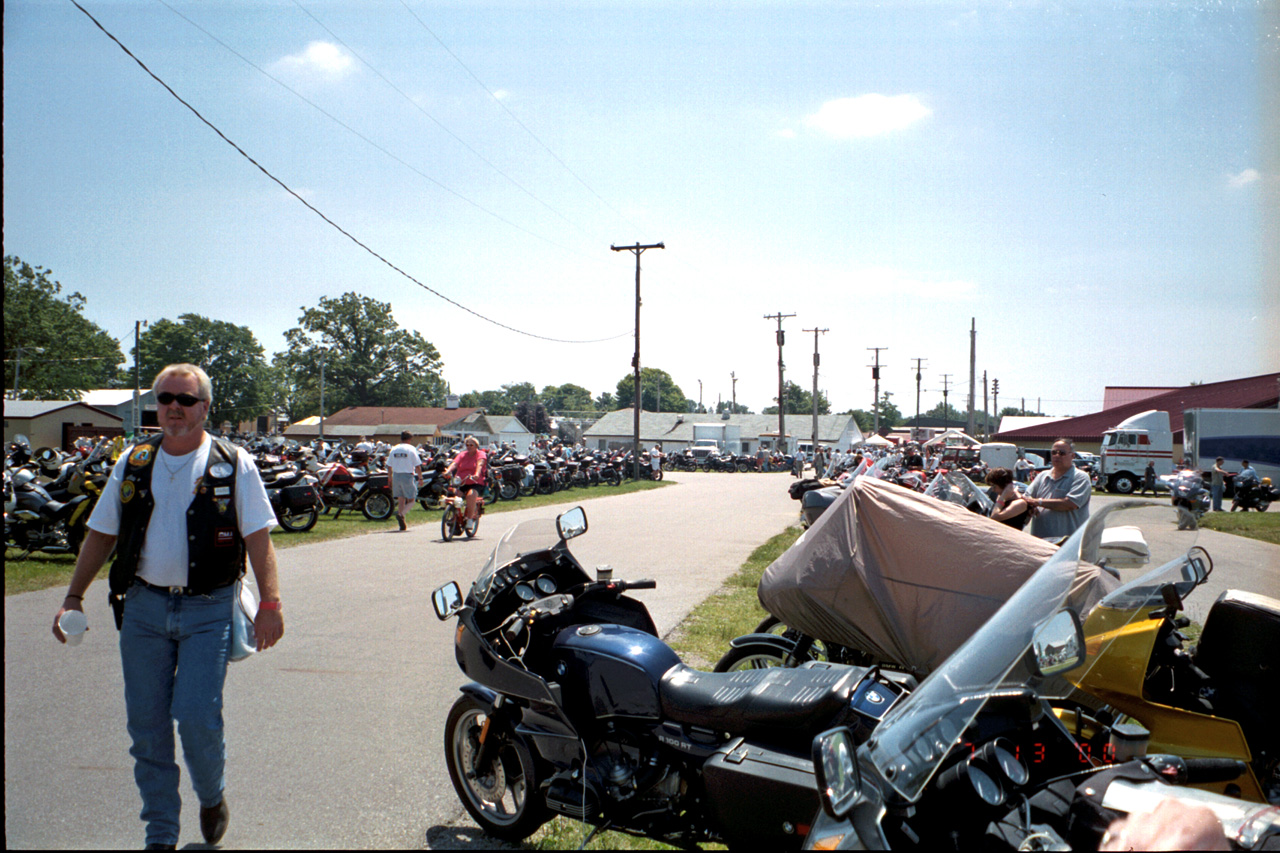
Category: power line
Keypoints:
(516, 119)
(439, 123)
(316, 211)
(357, 133)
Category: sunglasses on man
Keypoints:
(164, 398)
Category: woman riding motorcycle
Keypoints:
(472, 466)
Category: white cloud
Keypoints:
(786, 134)
(1248, 176)
(895, 283)
(320, 57)
(867, 115)
(501, 94)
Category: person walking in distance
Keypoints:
(406, 475)
(181, 511)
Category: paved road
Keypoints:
(335, 736)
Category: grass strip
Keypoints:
(41, 571)
(1263, 526)
(700, 640)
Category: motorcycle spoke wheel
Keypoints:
(501, 795)
(750, 657)
(446, 524)
(298, 522)
(377, 507)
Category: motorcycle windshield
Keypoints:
(527, 537)
(915, 737)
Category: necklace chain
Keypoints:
(173, 472)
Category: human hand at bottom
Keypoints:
(1172, 825)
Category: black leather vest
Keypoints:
(215, 550)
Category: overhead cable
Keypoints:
(366, 139)
(316, 211)
(439, 123)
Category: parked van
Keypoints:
(997, 454)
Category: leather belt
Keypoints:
(179, 590)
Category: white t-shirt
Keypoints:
(164, 552)
(403, 459)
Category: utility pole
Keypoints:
(637, 250)
(700, 395)
(995, 399)
(918, 362)
(946, 387)
(733, 377)
(137, 374)
(875, 374)
(322, 395)
(973, 369)
(17, 365)
(816, 332)
(986, 411)
(782, 422)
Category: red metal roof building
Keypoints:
(1255, 392)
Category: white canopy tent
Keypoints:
(953, 437)
(877, 441)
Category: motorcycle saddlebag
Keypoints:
(759, 797)
(300, 497)
(1238, 651)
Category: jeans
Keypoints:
(1216, 491)
(173, 650)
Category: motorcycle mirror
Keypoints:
(1201, 564)
(836, 766)
(572, 523)
(447, 600)
(1058, 645)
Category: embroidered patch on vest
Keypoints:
(140, 456)
(126, 491)
(224, 537)
(221, 471)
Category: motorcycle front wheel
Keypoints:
(377, 507)
(298, 522)
(502, 795)
(446, 523)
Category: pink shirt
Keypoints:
(468, 465)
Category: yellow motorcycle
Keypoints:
(1217, 698)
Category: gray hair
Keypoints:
(202, 379)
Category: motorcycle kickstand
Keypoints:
(595, 830)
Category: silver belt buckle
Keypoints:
(176, 590)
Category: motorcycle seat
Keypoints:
(773, 701)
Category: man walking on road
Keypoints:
(406, 475)
(1061, 495)
(181, 511)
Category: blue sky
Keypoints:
(1087, 181)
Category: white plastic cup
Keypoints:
(73, 624)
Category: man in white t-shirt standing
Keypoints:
(180, 512)
(406, 475)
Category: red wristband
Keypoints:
(270, 605)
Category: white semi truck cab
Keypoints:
(1128, 447)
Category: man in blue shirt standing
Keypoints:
(1060, 496)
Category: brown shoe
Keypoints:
(400, 518)
(213, 822)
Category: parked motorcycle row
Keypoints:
(1020, 700)
(49, 495)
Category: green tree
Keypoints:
(948, 412)
(534, 417)
(800, 402)
(567, 398)
(866, 421)
(369, 360)
(230, 354)
(732, 408)
(493, 402)
(889, 414)
(651, 379)
(606, 402)
(51, 349)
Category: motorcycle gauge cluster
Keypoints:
(993, 772)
